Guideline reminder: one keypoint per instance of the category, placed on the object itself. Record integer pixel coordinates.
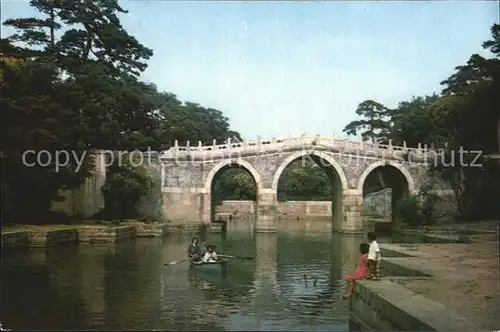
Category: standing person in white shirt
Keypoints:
(374, 257)
(210, 256)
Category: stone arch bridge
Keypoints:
(188, 173)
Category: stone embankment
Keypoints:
(433, 287)
(92, 232)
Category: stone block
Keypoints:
(15, 239)
(192, 228)
(46, 238)
(266, 224)
(96, 234)
(214, 228)
(149, 229)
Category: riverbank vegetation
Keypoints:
(71, 81)
(465, 116)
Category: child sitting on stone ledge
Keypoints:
(362, 271)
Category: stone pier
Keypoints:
(352, 208)
(267, 208)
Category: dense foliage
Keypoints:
(124, 186)
(70, 81)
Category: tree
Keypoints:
(376, 123)
(192, 122)
(469, 114)
(411, 121)
(476, 85)
(70, 82)
(125, 184)
(93, 33)
(304, 181)
(35, 119)
(465, 115)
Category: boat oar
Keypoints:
(176, 262)
(237, 257)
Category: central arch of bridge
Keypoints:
(334, 172)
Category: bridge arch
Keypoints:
(335, 173)
(319, 154)
(399, 166)
(228, 163)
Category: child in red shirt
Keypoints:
(362, 271)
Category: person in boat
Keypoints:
(210, 255)
(195, 250)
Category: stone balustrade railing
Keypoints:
(259, 146)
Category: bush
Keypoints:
(124, 186)
(420, 209)
(408, 211)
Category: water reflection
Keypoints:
(294, 282)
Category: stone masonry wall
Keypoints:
(150, 205)
(236, 208)
(378, 204)
(88, 199)
(290, 208)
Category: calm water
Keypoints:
(295, 282)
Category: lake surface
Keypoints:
(295, 282)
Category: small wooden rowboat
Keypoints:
(215, 267)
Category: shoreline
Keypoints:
(93, 232)
(434, 286)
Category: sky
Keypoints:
(285, 68)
